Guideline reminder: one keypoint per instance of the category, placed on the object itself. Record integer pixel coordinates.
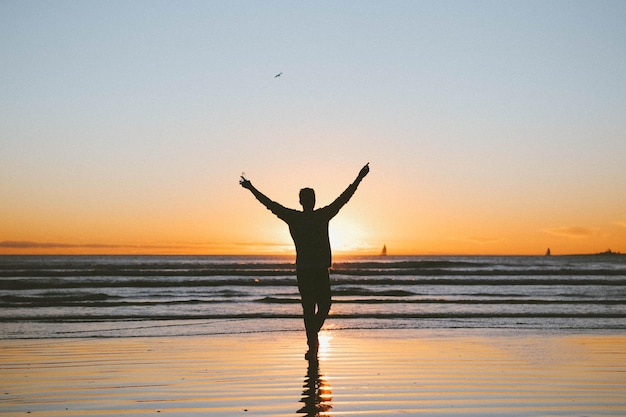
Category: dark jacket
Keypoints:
(309, 229)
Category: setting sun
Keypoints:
(347, 236)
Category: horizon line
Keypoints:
(26, 248)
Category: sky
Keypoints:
(491, 127)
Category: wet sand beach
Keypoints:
(360, 372)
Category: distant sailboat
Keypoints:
(384, 251)
(548, 252)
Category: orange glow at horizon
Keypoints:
(249, 229)
(347, 239)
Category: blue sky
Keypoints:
(490, 126)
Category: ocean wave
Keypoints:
(168, 282)
(97, 300)
(173, 266)
(434, 301)
(360, 291)
(252, 272)
(81, 318)
(94, 301)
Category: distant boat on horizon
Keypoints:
(384, 251)
(548, 252)
(608, 252)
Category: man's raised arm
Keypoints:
(245, 183)
(279, 210)
(349, 192)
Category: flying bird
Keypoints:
(278, 75)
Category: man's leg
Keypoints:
(310, 325)
(322, 297)
(307, 294)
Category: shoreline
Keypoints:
(368, 372)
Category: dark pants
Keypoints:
(314, 286)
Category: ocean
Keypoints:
(120, 296)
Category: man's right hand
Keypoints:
(364, 171)
(245, 183)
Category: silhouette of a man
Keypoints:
(309, 231)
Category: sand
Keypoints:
(360, 373)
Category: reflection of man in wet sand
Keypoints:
(317, 394)
(309, 230)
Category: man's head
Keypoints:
(307, 198)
